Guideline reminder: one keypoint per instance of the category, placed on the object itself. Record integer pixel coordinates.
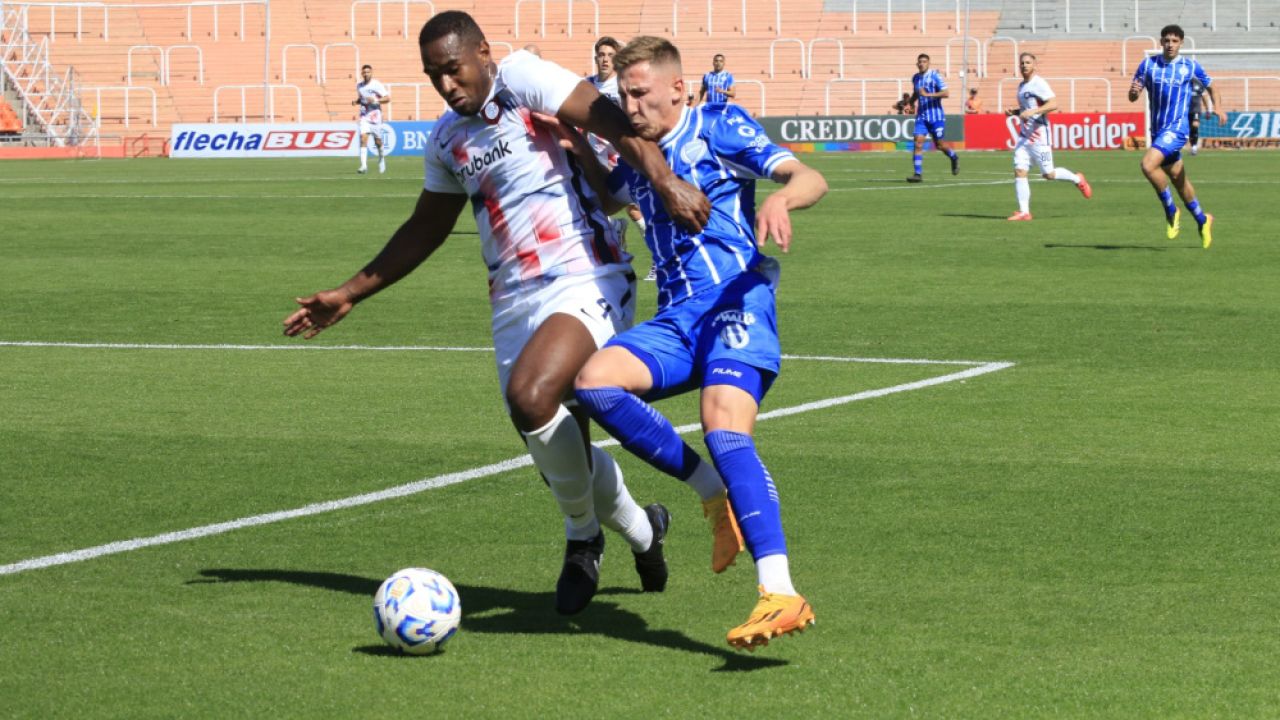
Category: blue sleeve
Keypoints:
(705, 85)
(741, 144)
(939, 82)
(1197, 71)
(728, 80)
(1140, 75)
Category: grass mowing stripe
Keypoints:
(440, 481)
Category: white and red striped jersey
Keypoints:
(1032, 94)
(537, 215)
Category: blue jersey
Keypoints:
(929, 108)
(715, 84)
(1169, 91)
(720, 150)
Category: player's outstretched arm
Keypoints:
(1218, 112)
(587, 108)
(802, 186)
(419, 236)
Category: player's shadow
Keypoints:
(975, 216)
(502, 611)
(1150, 248)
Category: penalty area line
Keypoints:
(445, 480)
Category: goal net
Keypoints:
(1247, 82)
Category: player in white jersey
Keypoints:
(1035, 101)
(371, 95)
(559, 282)
(606, 81)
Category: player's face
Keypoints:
(922, 64)
(459, 71)
(717, 63)
(652, 97)
(1028, 66)
(1171, 44)
(604, 62)
(367, 74)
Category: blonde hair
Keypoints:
(650, 49)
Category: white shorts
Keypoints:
(605, 303)
(371, 126)
(1028, 150)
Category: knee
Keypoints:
(532, 402)
(592, 375)
(1047, 176)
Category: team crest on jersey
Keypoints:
(491, 112)
(693, 150)
(733, 327)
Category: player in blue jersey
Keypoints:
(927, 91)
(716, 327)
(717, 85)
(1167, 80)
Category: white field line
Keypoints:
(440, 481)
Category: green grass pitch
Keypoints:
(1090, 532)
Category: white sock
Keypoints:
(639, 223)
(614, 505)
(558, 451)
(364, 156)
(774, 575)
(1023, 190)
(706, 481)
(1065, 174)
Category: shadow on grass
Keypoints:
(506, 612)
(1150, 248)
(974, 216)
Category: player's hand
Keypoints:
(567, 136)
(318, 312)
(1222, 116)
(684, 203)
(773, 219)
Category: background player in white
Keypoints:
(606, 81)
(559, 282)
(1035, 101)
(371, 95)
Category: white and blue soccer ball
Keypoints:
(417, 610)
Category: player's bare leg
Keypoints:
(728, 417)
(1153, 168)
(540, 381)
(382, 157)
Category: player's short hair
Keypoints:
(365, 67)
(1174, 30)
(650, 49)
(607, 41)
(922, 55)
(451, 22)
(718, 55)
(1026, 54)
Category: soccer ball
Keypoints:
(417, 610)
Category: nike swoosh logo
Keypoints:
(447, 142)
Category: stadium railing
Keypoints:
(888, 16)
(804, 63)
(839, 49)
(404, 30)
(542, 26)
(862, 96)
(979, 63)
(126, 90)
(710, 28)
(317, 77)
(270, 109)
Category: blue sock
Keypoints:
(751, 492)
(919, 163)
(1170, 209)
(1194, 207)
(950, 153)
(641, 429)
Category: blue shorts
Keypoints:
(1169, 143)
(726, 336)
(929, 128)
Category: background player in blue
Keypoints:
(716, 323)
(717, 85)
(1167, 80)
(927, 91)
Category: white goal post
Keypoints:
(1247, 82)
